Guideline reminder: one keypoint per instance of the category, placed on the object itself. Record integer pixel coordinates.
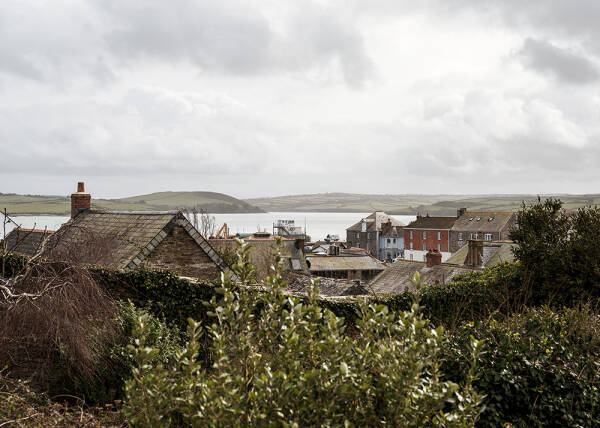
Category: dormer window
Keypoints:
(478, 218)
(471, 219)
(491, 219)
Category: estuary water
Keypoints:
(318, 225)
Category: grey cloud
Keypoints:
(574, 20)
(61, 42)
(208, 34)
(237, 37)
(564, 64)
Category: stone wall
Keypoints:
(366, 240)
(179, 253)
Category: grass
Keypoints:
(409, 204)
(60, 205)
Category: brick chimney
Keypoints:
(80, 201)
(433, 258)
(474, 253)
(460, 212)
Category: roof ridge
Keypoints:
(22, 229)
(95, 211)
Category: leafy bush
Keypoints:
(474, 296)
(540, 368)
(559, 252)
(282, 361)
(116, 367)
(162, 293)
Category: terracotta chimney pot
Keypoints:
(80, 201)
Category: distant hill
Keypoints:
(409, 204)
(58, 205)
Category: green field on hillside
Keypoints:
(409, 204)
(58, 205)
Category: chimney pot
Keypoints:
(433, 258)
(80, 201)
(474, 253)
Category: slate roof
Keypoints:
(328, 287)
(436, 223)
(396, 277)
(374, 222)
(484, 221)
(343, 263)
(390, 231)
(494, 253)
(26, 241)
(129, 236)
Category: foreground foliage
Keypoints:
(540, 368)
(20, 406)
(559, 252)
(278, 360)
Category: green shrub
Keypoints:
(540, 368)
(116, 367)
(279, 360)
(474, 296)
(559, 252)
(162, 293)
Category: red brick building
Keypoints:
(428, 233)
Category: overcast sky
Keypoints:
(261, 98)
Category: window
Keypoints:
(475, 236)
(424, 246)
(411, 247)
(424, 235)
(389, 240)
(488, 236)
(394, 240)
(410, 234)
(411, 256)
(368, 235)
(439, 236)
(471, 235)
(460, 236)
(440, 248)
